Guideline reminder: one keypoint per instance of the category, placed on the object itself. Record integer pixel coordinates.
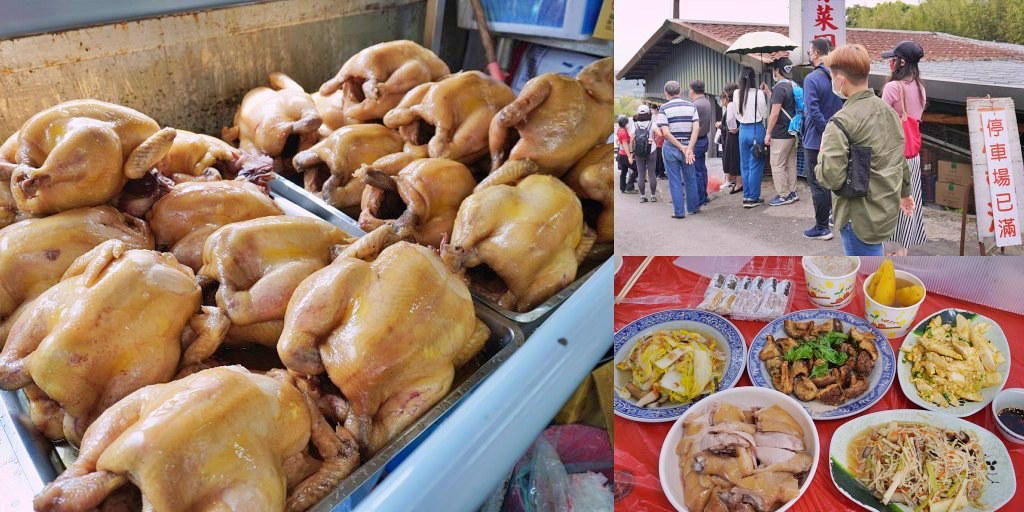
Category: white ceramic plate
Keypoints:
(745, 397)
(1002, 480)
(879, 380)
(994, 334)
(709, 324)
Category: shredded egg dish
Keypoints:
(951, 364)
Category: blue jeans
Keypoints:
(852, 245)
(680, 175)
(751, 169)
(700, 169)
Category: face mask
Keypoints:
(838, 92)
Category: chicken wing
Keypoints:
(374, 80)
(342, 153)
(196, 157)
(112, 325)
(37, 252)
(185, 217)
(81, 153)
(389, 332)
(420, 202)
(450, 118)
(530, 234)
(557, 119)
(593, 180)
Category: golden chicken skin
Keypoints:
(530, 234)
(374, 80)
(8, 161)
(593, 179)
(450, 118)
(81, 153)
(192, 211)
(113, 324)
(557, 119)
(271, 116)
(389, 327)
(197, 157)
(35, 253)
(220, 439)
(420, 202)
(257, 264)
(342, 153)
(332, 111)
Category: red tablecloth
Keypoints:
(638, 445)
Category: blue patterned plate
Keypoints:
(709, 324)
(879, 379)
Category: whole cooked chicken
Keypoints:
(557, 119)
(192, 211)
(220, 439)
(593, 179)
(388, 326)
(450, 118)
(332, 111)
(270, 117)
(341, 154)
(530, 234)
(258, 264)
(374, 80)
(196, 157)
(420, 202)
(80, 153)
(35, 253)
(8, 161)
(112, 325)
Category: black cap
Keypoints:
(784, 65)
(906, 50)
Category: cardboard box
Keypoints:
(949, 194)
(605, 28)
(955, 172)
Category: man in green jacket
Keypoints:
(864, 223)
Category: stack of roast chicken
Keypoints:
(135, 255)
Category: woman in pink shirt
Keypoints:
(905, 88)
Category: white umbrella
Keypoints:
(761, 42)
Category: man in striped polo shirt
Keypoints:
(678, 122)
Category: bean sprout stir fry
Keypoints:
(927, 468)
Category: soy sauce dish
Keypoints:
(1008, 409)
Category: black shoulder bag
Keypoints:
(759, 149)
(858, 170)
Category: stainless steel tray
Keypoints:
(281, 187)
(37, 462)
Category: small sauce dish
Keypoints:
(1008, 409)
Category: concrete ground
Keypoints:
(724, 227)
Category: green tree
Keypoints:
(626, 106)
(989, 20)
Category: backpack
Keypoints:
(642, 140)
(798, 100)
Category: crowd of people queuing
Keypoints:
(860, 150)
